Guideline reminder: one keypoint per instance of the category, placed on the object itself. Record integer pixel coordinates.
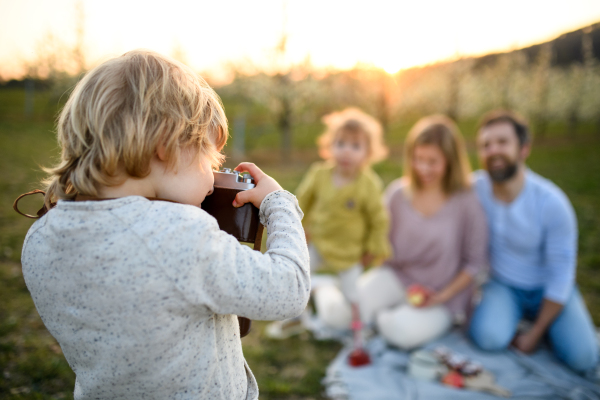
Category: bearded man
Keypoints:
(532, 253)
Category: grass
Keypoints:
(31, 362)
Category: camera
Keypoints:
(242, 222)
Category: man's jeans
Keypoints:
(572, 335)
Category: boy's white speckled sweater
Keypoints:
(141, 295)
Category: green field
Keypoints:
(31, 363)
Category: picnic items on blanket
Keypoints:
(457, 362)
(485, 382)
(418, 294)
(467, 374)
(454, 378)
(536, 376)
(454, 370)
(359, 356)
(425, 365)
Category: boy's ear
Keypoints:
(161, 152)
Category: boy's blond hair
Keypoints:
(441, 131)
(121, 111)
(353, 121)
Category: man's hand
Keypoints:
(526, 342)
(264, 185)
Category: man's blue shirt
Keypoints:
(533, 239)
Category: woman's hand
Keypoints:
(433, 299)
(457, 285)
(264, 185)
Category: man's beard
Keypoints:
(504, 174)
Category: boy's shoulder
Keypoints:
(170, 215)
(371, 179)
(135, 212)
(319, 173)
(133, 219)
(320, 167)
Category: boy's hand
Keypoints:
(264, 185)
(367, 259)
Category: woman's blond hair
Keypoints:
(121, 111)
(353, 121)
(442, 132)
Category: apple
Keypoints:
(417, 294)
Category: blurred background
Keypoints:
(279, 66)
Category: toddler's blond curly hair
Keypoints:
(121, 111)
(353, 121)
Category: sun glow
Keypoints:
(338, 34)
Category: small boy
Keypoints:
(143, 295)
(346, 222)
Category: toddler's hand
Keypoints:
(367, 259)
(264, 185)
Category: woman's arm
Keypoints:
(457, 285)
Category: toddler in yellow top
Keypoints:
(345, 221)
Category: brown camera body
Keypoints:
(242, 222)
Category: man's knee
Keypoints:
(581, 359)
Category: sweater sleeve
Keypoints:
(475, 242)
(230, 278)
(560, 247)
(376, 215)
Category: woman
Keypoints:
(439, 237)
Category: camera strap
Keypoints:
(42, 211)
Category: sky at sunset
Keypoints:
(387, 34)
